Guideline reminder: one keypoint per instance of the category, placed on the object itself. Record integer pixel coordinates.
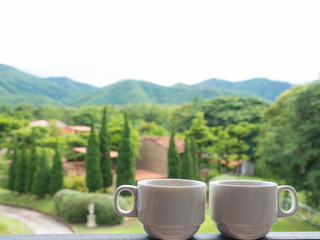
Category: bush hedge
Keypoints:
(72, 206)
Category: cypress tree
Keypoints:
(40, 184)
(126, 162)
(105, 160)
(32, 164)
(173, 159)
(193, 152)
(93, 170)
(21, 169)
(187, 163)
(56, 173)
(13, 165)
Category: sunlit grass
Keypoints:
(10, 226)
(45, 205)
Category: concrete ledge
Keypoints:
(142, 236)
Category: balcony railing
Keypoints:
(142, 236)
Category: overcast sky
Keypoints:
(165, 42)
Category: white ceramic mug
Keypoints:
(247, 209)
(167, 208)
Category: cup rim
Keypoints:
(149, 183)
(244, 183)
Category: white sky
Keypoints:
(165, 42)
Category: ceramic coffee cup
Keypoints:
(167, 208)
(247, 209)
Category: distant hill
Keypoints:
(133, 91)
(17, 86)
(265, 88)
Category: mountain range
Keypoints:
(17, 86)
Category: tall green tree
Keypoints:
(126, 161)
(105, 148)
(13, 165)
(56, 173)
(40, 184)
(194, 155)
(173, 159)
(21, 169)
(93, 170)
(187, 168)
(32, 163)
(289, 145)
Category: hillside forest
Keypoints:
(281, 138)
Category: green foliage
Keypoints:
(75, 182)
(105, 144)
(126, 161)
(173, 159)
(41, 178)
(71, 141)
(56, 173)
(200, 131)
(72, 206)
(32, 164)
(21, 169)
(289, 146)
(224, 111)
(14, 165)
(151, 129)
(93, 170)
(187, 167)
(8, 124)
(194, 155)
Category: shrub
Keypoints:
(73, 181)
(72, 206)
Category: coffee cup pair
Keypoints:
(175, 208)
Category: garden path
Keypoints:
(38, 222)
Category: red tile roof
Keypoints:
(164, 141)
(142, 174)
(79, 167)
(113, 154)
(232, 162)
(79, 128)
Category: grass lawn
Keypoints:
(28, 201)
(10, 226)
(287, 224)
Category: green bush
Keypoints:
(72, 206)
(75, 182)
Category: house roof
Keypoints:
(142, 174)
(46, 123)
(113, 154)
(79, 128)
(164, 141)
(80, 168)
(232, 162)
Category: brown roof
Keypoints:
(79, 128)
(232, 162)
(113, 154)
(79, 167)
(142, 174)
(164, 141)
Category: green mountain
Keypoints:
(132, 91)
(17, 86)
(263, 87)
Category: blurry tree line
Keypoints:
(289, 141)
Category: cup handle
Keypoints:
(294, 202)
(133, 211)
